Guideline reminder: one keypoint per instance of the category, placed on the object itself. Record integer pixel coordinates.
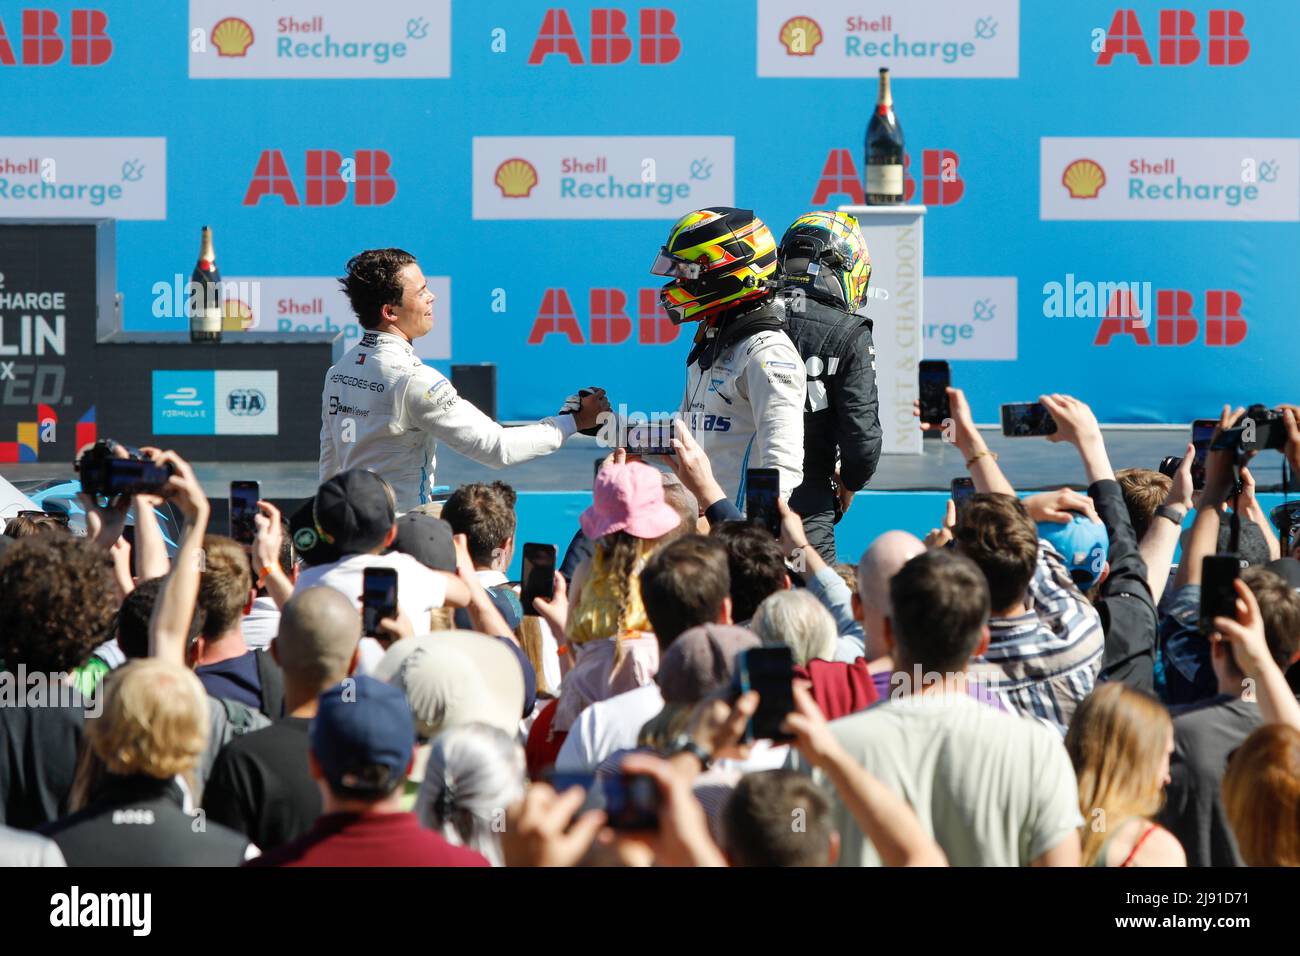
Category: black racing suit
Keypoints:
(842, 410)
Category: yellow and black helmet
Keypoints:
(825, 254)
(718, 257)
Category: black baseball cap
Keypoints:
(354, 511)
(427, 539)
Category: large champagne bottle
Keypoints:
(884, 150)
(205, 294)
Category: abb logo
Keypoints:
(328, 178)
(1175, 323)
(1179, 45)
(610, 43)
(610, 323)
(88, 44)
(940, 183)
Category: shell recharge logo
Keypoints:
(1084, 179)
(232, 37)
(801, 36)
(516, 178)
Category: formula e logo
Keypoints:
(187, 397)
(245, 401)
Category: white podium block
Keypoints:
(895, 239)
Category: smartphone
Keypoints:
(1027, 419)
(1202, 432)
(128, 535)
(134, 476)
(596, 469)
(244, 496)
(378, 598)
(1219, 573)
(650, 438)
(630, 801)
(935, 377)
(770, 671)
(538, 574)
(962, 490)
(762, 490)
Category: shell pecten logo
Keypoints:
(516, 178)
(1084, 179)
(232, 37)
(801, 36)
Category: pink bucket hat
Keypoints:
(629, 498)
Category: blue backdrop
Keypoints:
(784, 130)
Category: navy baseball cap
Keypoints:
(1083, 543)
(362, 736)
(354, 511)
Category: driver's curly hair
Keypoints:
(57, 602)
(373, 281)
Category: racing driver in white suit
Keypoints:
(745, 381)
(383, 409)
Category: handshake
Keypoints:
(586, 407)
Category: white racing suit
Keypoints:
(385, 410)
(745, 389)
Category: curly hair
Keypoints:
(374, 280)
(57, 602)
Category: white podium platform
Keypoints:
(895, 239)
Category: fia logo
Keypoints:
(246, 401)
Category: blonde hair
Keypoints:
(1261, 795)
(1117, 742)
(797, 620)
(154, 724)
(610, 604)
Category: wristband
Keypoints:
(685, 745)
(1176, 515)
(980, 454)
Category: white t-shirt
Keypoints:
(606, 727)
(993, 788)
(260, 624)
(419, 591)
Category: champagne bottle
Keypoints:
(884, 150)
(205, 294)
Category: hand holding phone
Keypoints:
(770, 671)
(378, 598)
(630, 801)
(762, 491)
(650, 438)
(934, 377)
(244, 496)
(963, 489)
(538, 579)
(1027, 420)
(1219, 573)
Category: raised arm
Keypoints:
(1277, 702)
(1161, 540)
(169, 626)
(980, 462)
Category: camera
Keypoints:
(104, 473)
(1169, 465)
(1261, 429)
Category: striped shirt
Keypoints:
(1044, 662)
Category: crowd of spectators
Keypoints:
(1032, 684)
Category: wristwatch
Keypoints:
(1176, 515)
(685, 745)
